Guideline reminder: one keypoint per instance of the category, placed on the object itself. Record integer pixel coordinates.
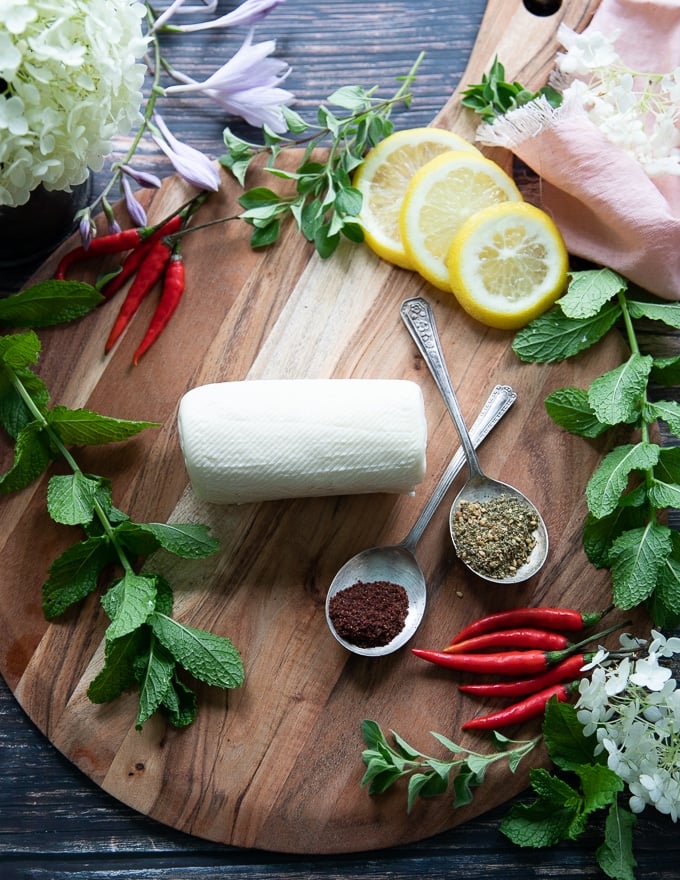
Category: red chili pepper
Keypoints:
(105, 244)
(173, 288)
(547, 618)
(508, 662)
(502, 663)
(512, 638)
(522, 711)
(137, 256)
(149, 273)
(567, 670)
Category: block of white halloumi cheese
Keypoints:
(267, 439)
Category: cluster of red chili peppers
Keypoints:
(528, 645)
(154, 252)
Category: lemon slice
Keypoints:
(439, 198)
(383, 177)
(508, 264)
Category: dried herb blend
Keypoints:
(369, 615)
(495, 537)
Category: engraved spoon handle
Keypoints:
(498, 403)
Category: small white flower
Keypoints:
(649, 674)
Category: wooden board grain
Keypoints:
(276, 764)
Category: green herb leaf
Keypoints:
(615, 855)
(155, 682)
(589, 290)
(667, 313)
(82, 427)
(666, 371)
(49, 303)
(607, 483)
(600, 786)
(71, 498)
(571, 410)
(616, 396)
(563, 733)
(666, 410)
(188, 540)
(600, 533)
(636, 558)
(554, 337)
(179, 704)
(32, 456)
(19, 350)
(118, 673)
(538, 824)
(208, 657)
(75, 574)
(129, 602)
(14, 412)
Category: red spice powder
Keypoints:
(369, 615)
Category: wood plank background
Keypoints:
(54, 823)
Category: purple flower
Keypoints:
(135, 209)
(190, 163)
(143, 178)
(248, 85)
(247, 14)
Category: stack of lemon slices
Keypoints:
(433, 203)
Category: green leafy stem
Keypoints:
(145, 647)
(636, 482)
(324, 206)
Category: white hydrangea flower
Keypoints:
(73, 81)
(637, 111)
(633, 709)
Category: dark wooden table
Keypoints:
(54, 822)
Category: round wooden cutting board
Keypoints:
(277, 763)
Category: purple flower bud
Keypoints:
(247, 14)
(135, 209)
(142, 178)
(86, 228)
(190, 163)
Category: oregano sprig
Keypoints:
(494, 96)
(386, 763)
(635, 482)
(324, 204)
(145, 648)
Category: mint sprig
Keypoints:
(494, 96)
(566, 799)
(636, 482)
(324, 205)
(145, 648)
(387, 763)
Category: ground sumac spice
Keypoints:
(369, 615)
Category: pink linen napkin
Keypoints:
(607, 208)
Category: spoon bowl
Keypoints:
(419, 319)
(396, 563)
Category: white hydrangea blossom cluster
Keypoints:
(637, 111)
(70, 80)
(633, 708)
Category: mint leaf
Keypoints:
(82, 427)
(129, 602)
(636, 558)
(154, 682)
(49, 303)
(666, 410)
(666, 371)
(569, 408)
(538, 824)
(71, 498)
(610, 478)
(668, 313)
(589, 290)
(188, 540)
(615, 397)
(554, 337)
(599, 534)
(75, 574)
(14, 413)
(563, 734)
(32, 456)
(208, 657)
(19, 350)
(615, 855)
(179, 703)
(118, 673)
(600, 786)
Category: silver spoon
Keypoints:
(419, 319)
(396, 563)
